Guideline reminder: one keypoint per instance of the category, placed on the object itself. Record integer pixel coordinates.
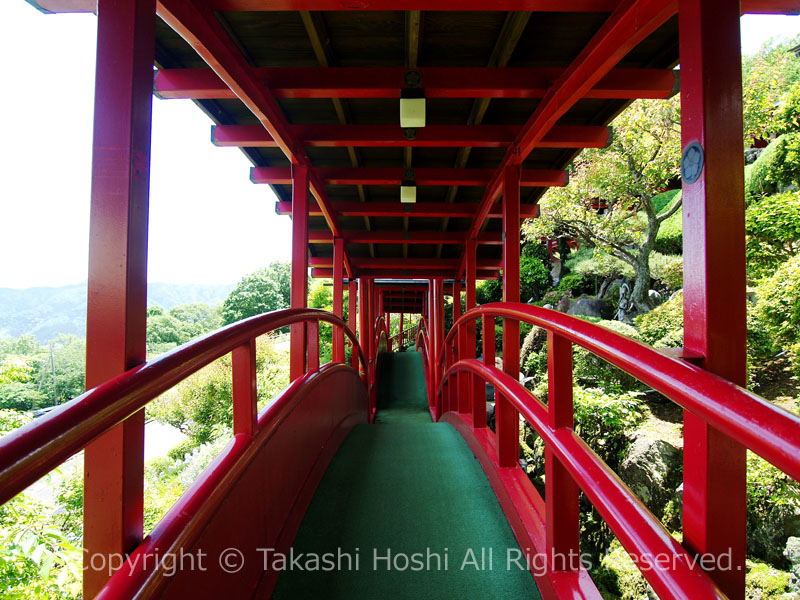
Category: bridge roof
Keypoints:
(318, 83)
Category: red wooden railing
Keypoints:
(306, 422)
(552, 528)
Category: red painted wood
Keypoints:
(304, 426)
(420, 209)
(117, 288)
(337, 351)
(32, 451)
(439, 82)
(312, 343)
(631, 22)
(245, 389)
(507, 418)
(396, 176)
(299, 287)
(714, 516)
(777, 7)
(391, 136)
(364, 332)
(563, 510)
(476, 390)
(633, 524)
(405, 237)
(400, 333)
(352, 317)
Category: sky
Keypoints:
(208, 223)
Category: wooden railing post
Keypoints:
(312, 343)
(245, 389)
(561, 492)
(479, 402)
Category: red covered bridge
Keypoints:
(468, 115)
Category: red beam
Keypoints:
(394, 273)
(400, 263)
(451, 82)
(776, 7)
(391, 136)
(397, 209)
(396, 176)
(401, 5)
(631, 22)
(196, 23)
(403, 237)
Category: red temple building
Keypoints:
(467, 111)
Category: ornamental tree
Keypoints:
(624, 177)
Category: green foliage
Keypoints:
(590, 370)
(778, 308)
(575, 283)
(671, 273)
(787, 114)
(664, 200)
(489, 290)
(21, 396)
(767, 76)
(662, 327)
(15, 369)
(11, 420)
(595, 262)
(534, 277)
(670, 234)
(259, 292)
(618, 577)
(772, 498)
(775, 167)
(36, 559)
(179, 325)
(604, 421)
(764, 582)
(773, 231)
(202, 405)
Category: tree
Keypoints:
(259, 292)
(626, 176)
(773, 232)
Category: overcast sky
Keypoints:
(208, 223)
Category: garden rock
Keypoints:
(589, 307)
(792, 552)
(652, 469)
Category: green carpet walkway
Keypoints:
(405, 511)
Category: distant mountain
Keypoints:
(46, 312)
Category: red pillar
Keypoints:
(477, 394)
(507, 418)
(352, 292)
(400, 333)
(459, 390)
(437, 326)
(714, 496)
(117, 289)
(299, 299)
(338, 298)
(363, 317)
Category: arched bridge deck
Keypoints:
(405, 511)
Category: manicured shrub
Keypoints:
(593, 371)
(778, 307)
(662, 327)
(575, 283)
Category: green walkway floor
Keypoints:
(405, 511)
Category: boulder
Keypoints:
(589, 307)
(792, 553)
(652, 469)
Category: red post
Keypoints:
(562, 493)
(479, 407)
(299, 297)
(400, 334)
(352, 293)
(437, 325)
(714, 496)
(507, 418)
(476, 388)
(461, 383)
(337, 353)
(312, 343)
(363, 320)
(245, 390)
(117, 289)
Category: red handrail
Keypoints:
(769, 431)
(747, 418)
(33, 450)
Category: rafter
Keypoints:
(493, 238)
(391, 136)
(628, 25)
(396, 176)
(454, 82)
(391, 273)
(420, 209)
(198, 26)
(326, 262)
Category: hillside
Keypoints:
(45, 312)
